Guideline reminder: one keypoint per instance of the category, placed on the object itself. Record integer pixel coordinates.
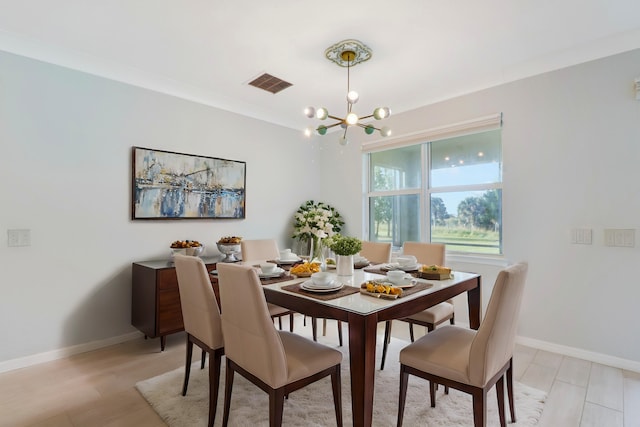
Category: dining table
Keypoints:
(363, 312)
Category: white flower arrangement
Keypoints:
(316, 221)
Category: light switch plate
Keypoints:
(18, 238)
(581, 236)
(620, 237)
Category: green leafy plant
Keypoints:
(344, 245)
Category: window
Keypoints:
(444, 190)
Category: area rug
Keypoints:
(313, 405)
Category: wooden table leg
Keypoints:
(474, 300)
(362, 354)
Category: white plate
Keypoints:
(288, 261)
(278, 272)
(309, 286)
(408, 267)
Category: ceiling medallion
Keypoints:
(348, 53)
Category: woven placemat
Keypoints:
(326, 296)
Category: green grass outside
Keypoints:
(459, 239)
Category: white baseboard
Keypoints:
(48, 356)
(578, 353)
(604, 359)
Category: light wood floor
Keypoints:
(98, 388)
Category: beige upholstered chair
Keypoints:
(376, 252)
(262, 250)
(266, 249)
(202, 324)
(472, 361)
(429, 254)
(278, 362)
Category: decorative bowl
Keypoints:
(191, 251)
(229, 250)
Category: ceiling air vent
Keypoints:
(269, 83)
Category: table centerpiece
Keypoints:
(314, 222)
(345, 248)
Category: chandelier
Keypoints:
(348, 53)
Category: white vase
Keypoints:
(344, 265)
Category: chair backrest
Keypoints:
(376, 252)
(259, 250)
(251, 339)
(200, 311)
(493, 345)
(425, 253)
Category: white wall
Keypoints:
(66, 141)
(570, 142)
(571, 147)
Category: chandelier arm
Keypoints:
(364, 126)
(366, 117)
(335, 118)
(333, 125)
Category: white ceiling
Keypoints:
(423, 50)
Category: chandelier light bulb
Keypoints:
(322, 129)
(351, 119)
(343, 141)
(308, 132)
(369, 129)
(381, 113)
(322, 113)
(310, 112)
(385, 131)
(352, 97)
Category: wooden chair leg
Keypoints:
(411, 331)
(280, 322)
(500, 396)
(340, 332)
(385, 342)
(324, 327)
(187, 367)
(290, 322)
(402, 397)
(214, 384)
(337, 394)
(314, 328)
(479, 407)
(432, 393)
(276, 406)
(228, 388)
(512, 406)
(203, 359)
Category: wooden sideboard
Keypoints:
(155, 299)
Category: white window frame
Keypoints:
(477, 125)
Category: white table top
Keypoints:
(365, 304)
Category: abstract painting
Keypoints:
(168, 185)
